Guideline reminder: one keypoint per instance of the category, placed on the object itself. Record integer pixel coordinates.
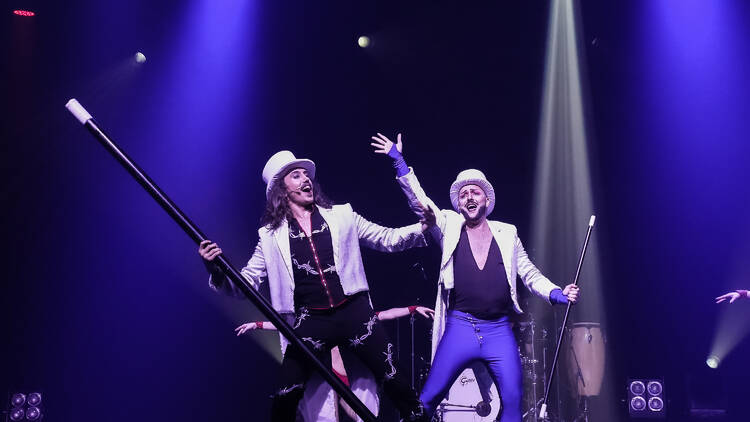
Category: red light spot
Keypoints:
(23, 12)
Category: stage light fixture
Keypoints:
(34, 399)
(33, 413)
(713, 362)
(18, 400)
(646, 398)
(140, 57)
(24, 406)
(363, 41)
(16, 414)
(25, 13)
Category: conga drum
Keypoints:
(586, 356)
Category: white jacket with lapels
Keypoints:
(447, 232)
(272, 257)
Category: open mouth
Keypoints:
(306, 188)
(471, 206)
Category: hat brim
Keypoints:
(485, 185)
(304, 163)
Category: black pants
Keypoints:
(352, 325)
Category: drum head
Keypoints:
(473, 397)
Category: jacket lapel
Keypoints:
(282, 241)
(506, 247)
(452, 236)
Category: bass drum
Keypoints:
(472, 398)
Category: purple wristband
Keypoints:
(398, 162)
(557, 297)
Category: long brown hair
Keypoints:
(277, 205)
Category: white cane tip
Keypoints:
(80, 113)
(591, 221)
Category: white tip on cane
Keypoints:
(78, 111)
(591, 221)
(543, 411)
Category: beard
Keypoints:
(477, 214)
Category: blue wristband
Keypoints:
(398, 162)
(557, 297)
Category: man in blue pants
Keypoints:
(477, 286)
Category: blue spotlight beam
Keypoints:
(226, 267)
(543, 410)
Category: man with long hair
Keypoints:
(481, 260)
(309, 251)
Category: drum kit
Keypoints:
(473, 397)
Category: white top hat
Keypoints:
(472, 177)
(280, 163)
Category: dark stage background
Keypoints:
(104, 303)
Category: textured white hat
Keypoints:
(281, 162)
(472, 177)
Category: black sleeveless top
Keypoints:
(484, 293)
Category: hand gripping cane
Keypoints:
(543, 410)
(226, 267)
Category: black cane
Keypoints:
(543, 410)
(226, 267)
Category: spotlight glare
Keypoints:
(140, 57)
(26, 13)
(713, 362)
(363, 41)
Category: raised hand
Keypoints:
(383, 145)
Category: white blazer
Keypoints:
(447, 232)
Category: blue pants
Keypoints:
(466, 340)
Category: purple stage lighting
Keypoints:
(33, 413)
(34, 399)
(16, 414)
(18, 400)
(654, 388)
(646, 398)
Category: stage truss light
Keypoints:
(646, 398)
